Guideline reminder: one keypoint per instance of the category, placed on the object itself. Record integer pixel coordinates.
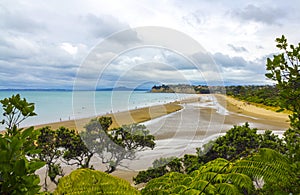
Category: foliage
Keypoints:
(16, 110)
(162, 166)
(75, 151)
(292, 140)
(236, 141)
(114, 145)
(284, 68)
(89, 181)
(48, 143)
(61, 144)
(17, 169)
(266, 94)
(159, 167)
(221, 176)
(274, 169)
(214, 177)
(269, 140)
(162, 161)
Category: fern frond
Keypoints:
(227, 188)
(87, 181)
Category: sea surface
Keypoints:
(54, 106)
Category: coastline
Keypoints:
(121, 118)
(188, 134)
(148, 114)
(241, 108)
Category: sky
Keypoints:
(61, 44)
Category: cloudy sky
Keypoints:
(50, 44)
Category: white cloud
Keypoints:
(69, 48)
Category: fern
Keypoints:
(87, 181)
(213, 177)
(268, 165)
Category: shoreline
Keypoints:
(242, 108)
(138, 115)
(148, 114)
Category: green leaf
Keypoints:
(280, 110)
(20, 168)
(35, 165)
(269, 75)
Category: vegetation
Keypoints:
(284, 68)
(87, 181)
(17, 169)
(16, 110)
(117, 144)
(267, 95)
(221, 176)
(61, 145)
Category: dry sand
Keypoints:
(268, 119)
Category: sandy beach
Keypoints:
(181, 127)
(121, 118)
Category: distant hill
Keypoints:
(180, 88)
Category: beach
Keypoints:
(182, 126)
(199, 122)
(121, 118)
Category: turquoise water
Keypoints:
(53, 106)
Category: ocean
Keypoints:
(54, 106)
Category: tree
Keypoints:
(284, 68)
(16, 110)
(159, 167)
(87, 181)
(269, 140)
(17, 168)
(236, 141)
(48, 143)
(117, 144)
(162, 166)
(61, 145)
(75, 151)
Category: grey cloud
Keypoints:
(267, 15)
(227, 61)
(19, 22)
(239, 70)
(237, 49)
(104, 25)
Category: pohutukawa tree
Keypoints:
(17, 168)
(117, 144)
(284, 68)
